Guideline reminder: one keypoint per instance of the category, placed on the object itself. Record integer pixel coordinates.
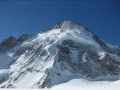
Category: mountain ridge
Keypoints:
(65, 52)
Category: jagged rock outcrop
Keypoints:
(8, 43)
(11, 42)
(24, 37)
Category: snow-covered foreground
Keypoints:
(81, 84)
(88, 85)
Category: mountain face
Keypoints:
(67, 51)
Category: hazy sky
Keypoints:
(18, 17)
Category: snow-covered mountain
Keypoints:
(67, 51)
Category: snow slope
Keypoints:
(78, 84)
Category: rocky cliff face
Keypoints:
(65, 52)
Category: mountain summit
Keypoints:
(67, 51)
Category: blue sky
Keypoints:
(101, 16)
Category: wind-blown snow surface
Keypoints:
(78, 84)
(37, 62)
(81, 84)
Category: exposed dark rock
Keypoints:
(24, 37)
(8, 43)
(57, 25)
(11, 42)
(92, 68)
